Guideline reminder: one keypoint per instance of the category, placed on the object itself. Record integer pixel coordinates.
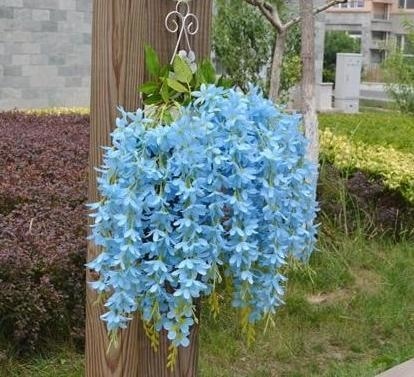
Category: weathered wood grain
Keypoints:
(121, 28)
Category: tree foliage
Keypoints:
(399, 75)
(242, 41)
(337, 42)
(292, 66)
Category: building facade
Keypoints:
(379, 24)
(45, 52)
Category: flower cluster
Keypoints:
(223, 189)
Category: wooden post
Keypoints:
(121, 28)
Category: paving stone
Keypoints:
(39, 59)
(57, 59)
(49, 26)
(6, 12)
(58, 15)
(45, 52)
(403, 370)
(41, 14)
(11, 3)
(12, 71)
(20, 59)
(41, 4)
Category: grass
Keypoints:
(374, 128)
(350, 314)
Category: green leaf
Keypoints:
(151, 61)
(208, 71)
(153, 100)
(167, 117)
(164, 72)
(199, 79)
(225, 82)
(149, 87)
(165, 94)
(182, 70)
(178, 87)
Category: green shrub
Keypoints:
(399, 73)
(395, 168)
(399, 77)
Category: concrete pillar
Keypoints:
(319, 47)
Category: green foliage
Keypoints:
(170, 86)
(387, 129)
(337, 42)
(399, 75)
(242, 41)
(395, 168)
(292, 63)
(151, 61)
(381, 145)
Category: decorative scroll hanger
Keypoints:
(182, 19)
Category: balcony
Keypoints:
(380, 16)
(381, 25)
(378, 44)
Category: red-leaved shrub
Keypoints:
(43, 187)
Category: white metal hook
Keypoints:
(184, 21)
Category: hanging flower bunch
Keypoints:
(223, 190)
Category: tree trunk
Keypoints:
(308, 78)
(277, 62)
(121, 28)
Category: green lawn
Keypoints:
(350, 314)
(374, 128)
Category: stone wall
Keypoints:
(45, 48)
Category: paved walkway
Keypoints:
(404, 370)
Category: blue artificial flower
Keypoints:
(227, 184)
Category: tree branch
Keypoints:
(316, 11)
(270, 12)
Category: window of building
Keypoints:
(381, 11)
(399, 40)
(355, 34)
(405, 45)
(352, 4)
(377, 56)
(406, 4)
(379, 35)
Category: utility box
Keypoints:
(348, 81)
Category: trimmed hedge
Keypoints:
(43, 187)
(395, 168)
(387, 129)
